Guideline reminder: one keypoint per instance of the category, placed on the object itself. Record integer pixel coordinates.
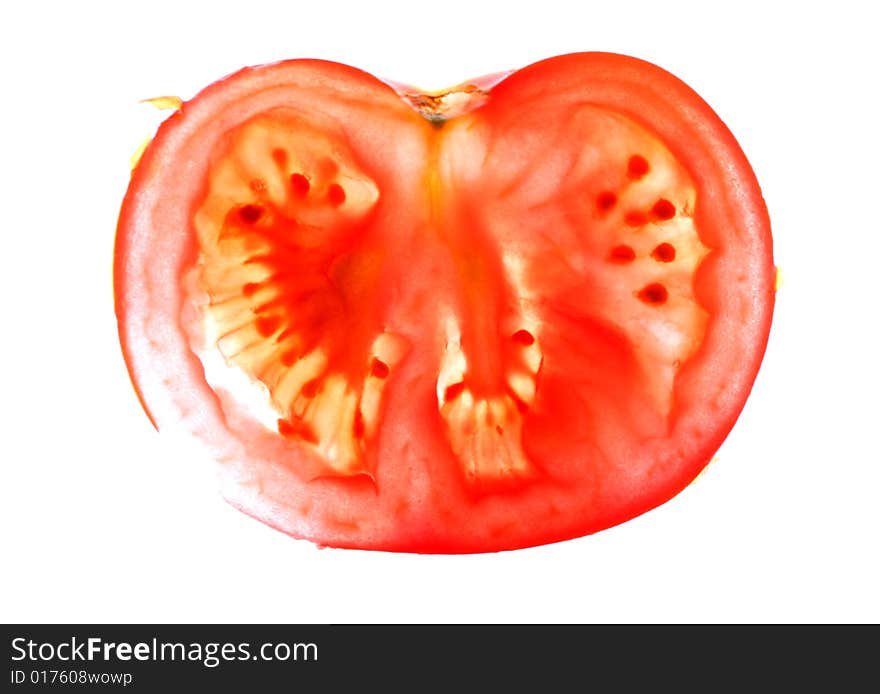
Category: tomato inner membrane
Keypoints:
(575, 255)
(288, 265)
(572, 272)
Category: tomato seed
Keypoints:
(622, 254)
(663, 209)
(299, 184)
(250, 214)
(635, 218)
(358, 427)
(379, 369)
(523, 337)
(335, 194)
(267, 325)
(637, 166)
(654, 293)
(453, 391)
(606, 200)
(299, 430)
(664, 253)
(284, 428)
(280, 157)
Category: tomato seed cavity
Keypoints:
(606, 200)
(654, 293)
(622, 254)
(250, 214)
(335, 194)
(523, 337)
(637, 166)
(663, 209)
(300, 184)
(664, 253)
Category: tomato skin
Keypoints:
(419, 502)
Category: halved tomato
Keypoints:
(517, 311)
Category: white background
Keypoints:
(104, 520)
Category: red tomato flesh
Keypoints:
(518, 311)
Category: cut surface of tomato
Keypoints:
(518, 311)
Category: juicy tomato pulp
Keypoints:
(518, 311)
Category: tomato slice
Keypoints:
(514, 312)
